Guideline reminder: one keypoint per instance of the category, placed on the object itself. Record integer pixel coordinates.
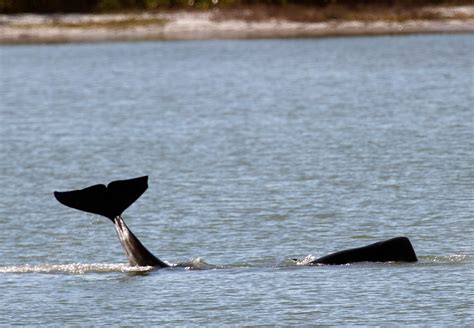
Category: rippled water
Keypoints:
(258, 152)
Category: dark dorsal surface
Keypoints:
(394, 249)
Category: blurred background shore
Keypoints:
(45, 21)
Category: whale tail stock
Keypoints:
(111, 201)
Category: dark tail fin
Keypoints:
(108, 201)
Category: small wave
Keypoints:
(446, 259)
(361, 237)
(198, 263)
(74, 268)
(194, 263)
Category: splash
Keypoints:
(194, 263)
(74, 268)
(307, 260)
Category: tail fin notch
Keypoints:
(109, 201)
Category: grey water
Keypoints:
(258, 152)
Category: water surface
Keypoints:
(258, 152)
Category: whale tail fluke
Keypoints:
(109, 201)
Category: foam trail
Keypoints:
(74, 268)
(195, 263)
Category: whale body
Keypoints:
(112, 200)
(398, 249)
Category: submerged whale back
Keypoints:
(394, 249)
(108, 201)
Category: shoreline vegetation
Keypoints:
(227, 19)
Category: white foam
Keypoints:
(307, 260)
(74, 268)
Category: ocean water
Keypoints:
(258, 152)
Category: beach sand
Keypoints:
(206, 25)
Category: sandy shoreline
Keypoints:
(203, 25)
